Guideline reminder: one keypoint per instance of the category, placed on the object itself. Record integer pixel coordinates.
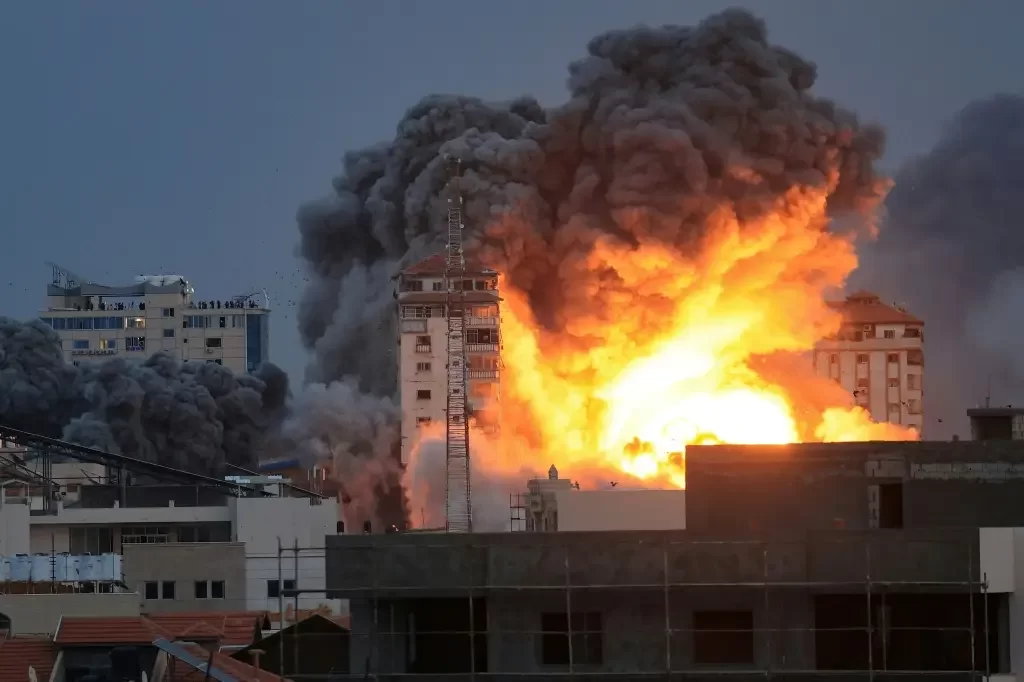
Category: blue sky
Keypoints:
(180, 137)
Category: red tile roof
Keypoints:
(179, 671)
(435, 265)
(103, 631)
(864, 307)
(16, 655)
(235, 628)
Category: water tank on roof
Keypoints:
(159, 280)
(88, 567)
(109, 568)
(5, 569)
(21, 567)
(60, 567)
(41, 568)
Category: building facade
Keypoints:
(878, 357)
(158, 313)
(423, 346)
(815, 561)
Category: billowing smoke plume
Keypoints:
(193, 416)
(671, 137)
(952, 250)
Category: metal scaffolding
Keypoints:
(458, 506)
(620, 621)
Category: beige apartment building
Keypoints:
(423, 346)
(878, 356)
(155, 313)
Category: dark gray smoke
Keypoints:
(952, 249)
(193, 416)
(663, 126)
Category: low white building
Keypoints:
(156, 313)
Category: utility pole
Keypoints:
(458, 508)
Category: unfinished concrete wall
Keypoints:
(450, 565)
(827, 485)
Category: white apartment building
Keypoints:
(156, 313)
(218, 555)
(423, 346)
(878, 356)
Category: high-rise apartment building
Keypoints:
(878, 356)
(423, 346)
(156, 313)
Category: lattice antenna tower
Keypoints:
(458, 506)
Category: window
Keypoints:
(135, 322)
(90, 540)
(223, 322)
(422, 366)
(894, 383)
(914, 382)
(437, 286)
(862, 358)
(423, 394)
(423, 421)
(481, 336)
(213, 343)
(587, 645)
(889, 333)
(152, 590)
(168, 333)
(144, 535)
(893, 357)
(273, 588)
(915, 357)
(135, 343)
(167, 312)
(833, 359)
(212, 589)
(80, 344)
(237, 321)
(108, 344)
(723, 637)
(914, 406)
(167, 589)
(911, 332)
(422, 344)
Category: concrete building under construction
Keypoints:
(846, 561)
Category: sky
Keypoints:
(181, 137)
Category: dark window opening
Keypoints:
(909, 632)
(445, 636)
(216, 589)
(587, 639)
(152, 590)
(274, 587)
(201, 589)
(890, 505)
(167, 589)
(423, 394)
(213, 343)
(723, 637)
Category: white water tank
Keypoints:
(60, 567)
(107, 568)
(88, 567)
(5, 569)
(21, 567)
(42, 568)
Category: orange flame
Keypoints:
(661, 352)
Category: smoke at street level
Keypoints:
(952, 250)
(194, 416)
(674, 211)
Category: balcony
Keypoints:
(481, 348)
(423, 348)
(472, 321)
(482, 374)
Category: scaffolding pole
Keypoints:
(513, 636)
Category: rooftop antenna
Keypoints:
(458, 508)
(988, 391)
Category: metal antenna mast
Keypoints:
(458, 509)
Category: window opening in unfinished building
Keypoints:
(446, 636)
(586, 635)
(721, 637)
(890, 505)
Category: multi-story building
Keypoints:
(156, 313)
(851, 560)
(423, 345)
(878, 356)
